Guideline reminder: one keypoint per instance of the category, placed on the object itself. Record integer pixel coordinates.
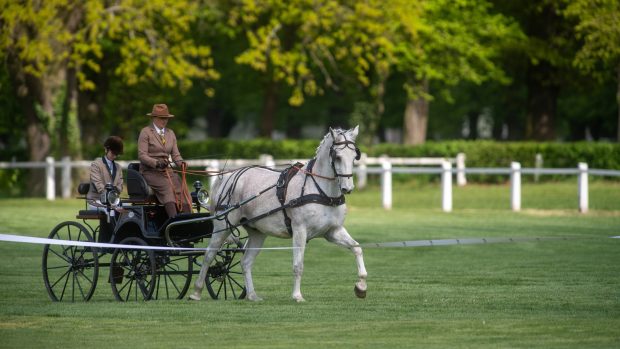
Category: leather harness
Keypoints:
(321, 198)
(281, 192)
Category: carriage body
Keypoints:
(71, 273)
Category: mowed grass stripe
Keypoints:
(551, 294)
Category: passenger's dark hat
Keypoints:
(114, 144)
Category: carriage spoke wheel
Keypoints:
(70, 272)
(174, 275)
(132, 272)
(224, 279)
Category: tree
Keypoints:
(51, 46)
(309, 46)
(598, 28)
(448, 42)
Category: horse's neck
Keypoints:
(323, 168)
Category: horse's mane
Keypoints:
(337, 131)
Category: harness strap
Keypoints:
(282, 188)
(306, 199)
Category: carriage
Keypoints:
(71, 273)
(302, 202)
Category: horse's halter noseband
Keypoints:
(332, 154)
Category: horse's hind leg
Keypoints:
(255, 242)
(215, 243)
(341, 237)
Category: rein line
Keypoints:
(281, 190)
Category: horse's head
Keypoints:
(342, 153)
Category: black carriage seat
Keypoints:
(83, 189)
(137, 188)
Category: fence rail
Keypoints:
(383, 166)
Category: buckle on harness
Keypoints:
(293, 202)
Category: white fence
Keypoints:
(515, 171)
(384, 166)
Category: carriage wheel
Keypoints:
(225, 278)
(174, 275)
(132, 272)
(70, 272)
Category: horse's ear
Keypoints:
(354, 131)
(331, 131)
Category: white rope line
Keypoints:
(449, 242)
(45, 241)
(413, 243)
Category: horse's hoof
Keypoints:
(193, 297)
(299, 300)
(359, 292)
(254, 298)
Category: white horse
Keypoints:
(313, 204)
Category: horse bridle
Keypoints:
(332, 155)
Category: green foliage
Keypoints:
(500, 154)
(332, 56)
(600, 33)
(313, 45)
(451, 42)
(152, 38)
(479, 153)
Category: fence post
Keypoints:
(386, 183)
(50, 184)
(515, 186)
(66, 177)
(362, 174)
(538, 164)
(460, 170)
(214, 166)
(583, 187)
(446, 186)
(267, 160)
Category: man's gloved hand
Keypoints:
(161, 164)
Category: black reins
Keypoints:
(321, 198)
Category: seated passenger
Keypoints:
(104, 170)
(157, 145)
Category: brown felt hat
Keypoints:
(160, 111)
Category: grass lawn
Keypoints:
(548, 294)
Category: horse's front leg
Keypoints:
(215, 243)
(253, 246)
(299, 247)
(341, 237)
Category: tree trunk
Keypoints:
(416, 118)
(69, 109)
(541, 103)
(618, 101)
(29, 92)
(472, 119)
(90, 104)
(270, 102)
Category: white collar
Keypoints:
(109, 162)
(159, 130)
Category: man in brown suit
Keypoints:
(157, 151)
(104, 170)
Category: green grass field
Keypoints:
(547, 294)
